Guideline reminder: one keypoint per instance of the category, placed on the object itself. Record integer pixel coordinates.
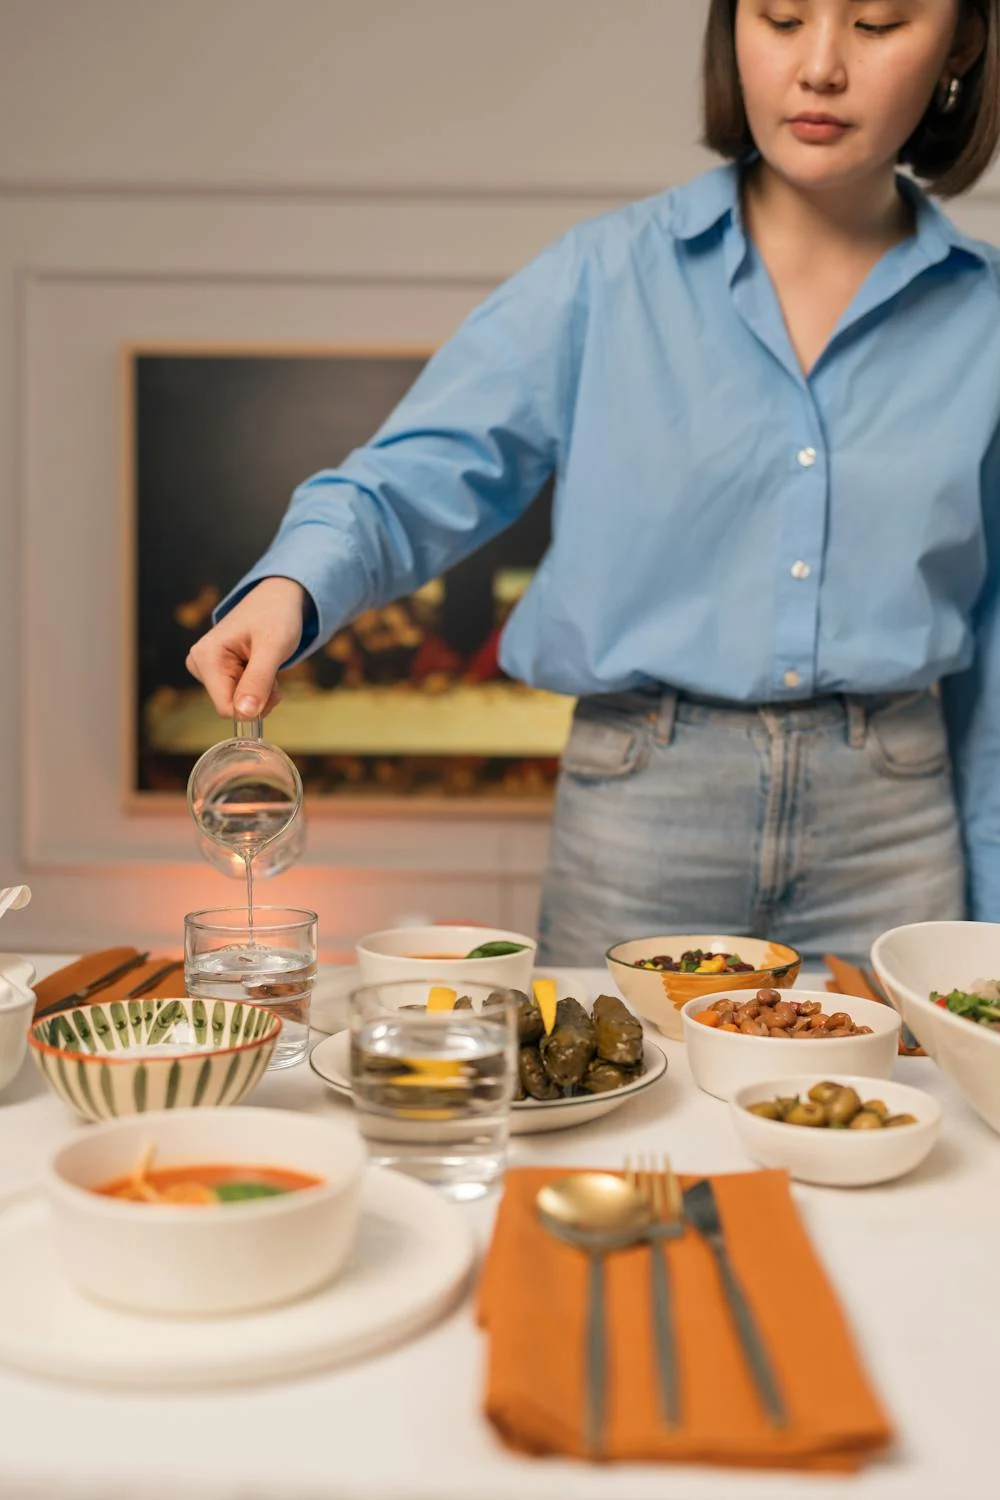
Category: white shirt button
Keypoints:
(807, 457)
(792, 679)
(801, 570)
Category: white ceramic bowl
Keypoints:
(724, 1061)
(659, 996)
(17, 1003)
(153, 1258)
(838, 1158)
(910, 962)
(399, 953)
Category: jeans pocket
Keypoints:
(908, 739)
(603, 746)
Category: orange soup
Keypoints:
(207, 1184)
(436, 957)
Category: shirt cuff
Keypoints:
(322, 584)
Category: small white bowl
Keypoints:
(399, 953)
(17, 1004)
(838, 1158)
(724, 1061)
(923, 956)
(154, 1258)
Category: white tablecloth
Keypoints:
(915, 1262)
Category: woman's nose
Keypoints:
(823, 66)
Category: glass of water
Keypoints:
(270, 961)
(432, 1089)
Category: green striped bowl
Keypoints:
(128, 1056)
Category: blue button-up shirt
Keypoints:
(721, 522)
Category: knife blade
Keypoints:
(702, 1211)
(100, 983)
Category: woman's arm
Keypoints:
(972, 708)
(461, 457)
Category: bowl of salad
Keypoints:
(659, 975)
(945, 979)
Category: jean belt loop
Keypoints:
(666, 717)
(857, 722)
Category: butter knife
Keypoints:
(702, 1211)
(103, 980)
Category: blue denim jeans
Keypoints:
(817, 824)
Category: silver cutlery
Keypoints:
(100, 983)
(596, 1212)
(659, 1189)
(701, 1210)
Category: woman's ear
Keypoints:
(967, 48)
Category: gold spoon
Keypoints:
(595, 1212)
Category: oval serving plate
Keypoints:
(330, 1061)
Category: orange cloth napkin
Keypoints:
(848, 979)
(532, 1305)
(76, 976)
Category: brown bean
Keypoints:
(768, 995)
(784, 1015)
(750, 1026)
(778, 1031)
(808, 1007)
(839, 1018)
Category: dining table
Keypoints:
(915, 1263)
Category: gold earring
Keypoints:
(952, 94)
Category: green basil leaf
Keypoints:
(239, 1192)
(496, 950)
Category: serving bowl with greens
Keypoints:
(944, 977)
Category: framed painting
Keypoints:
(406, 704)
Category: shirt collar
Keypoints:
(700, 205)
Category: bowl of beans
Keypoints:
(840, 1131)
(659, 975)
(735, 1040)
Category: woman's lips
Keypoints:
(819, 130)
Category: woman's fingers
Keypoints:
(237, 661)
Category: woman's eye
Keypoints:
(780, 25)
(871, 29)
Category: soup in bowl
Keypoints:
(486, 955)
(195, 1211)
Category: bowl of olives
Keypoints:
(844, 1131)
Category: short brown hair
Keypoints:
(948, 151)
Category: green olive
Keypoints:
(823, 1093)
(768, 1109)
(900, 1120)
(877, 1107)
(806, 1114)
(841, 1109)
(865, 1120)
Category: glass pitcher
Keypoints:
(245, 797)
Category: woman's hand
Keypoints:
(238, 659)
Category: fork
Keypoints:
(660, 1191)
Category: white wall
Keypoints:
(265, 171)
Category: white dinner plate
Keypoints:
(334, 982)
(409, 1266)
(330, 1060)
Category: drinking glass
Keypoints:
(432, 1089)
(269, 960)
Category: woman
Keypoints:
(771, 399)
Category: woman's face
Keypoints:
(833, 88)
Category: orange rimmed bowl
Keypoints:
(129, 1057)
(658, 996)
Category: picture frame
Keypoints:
(405, 709)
